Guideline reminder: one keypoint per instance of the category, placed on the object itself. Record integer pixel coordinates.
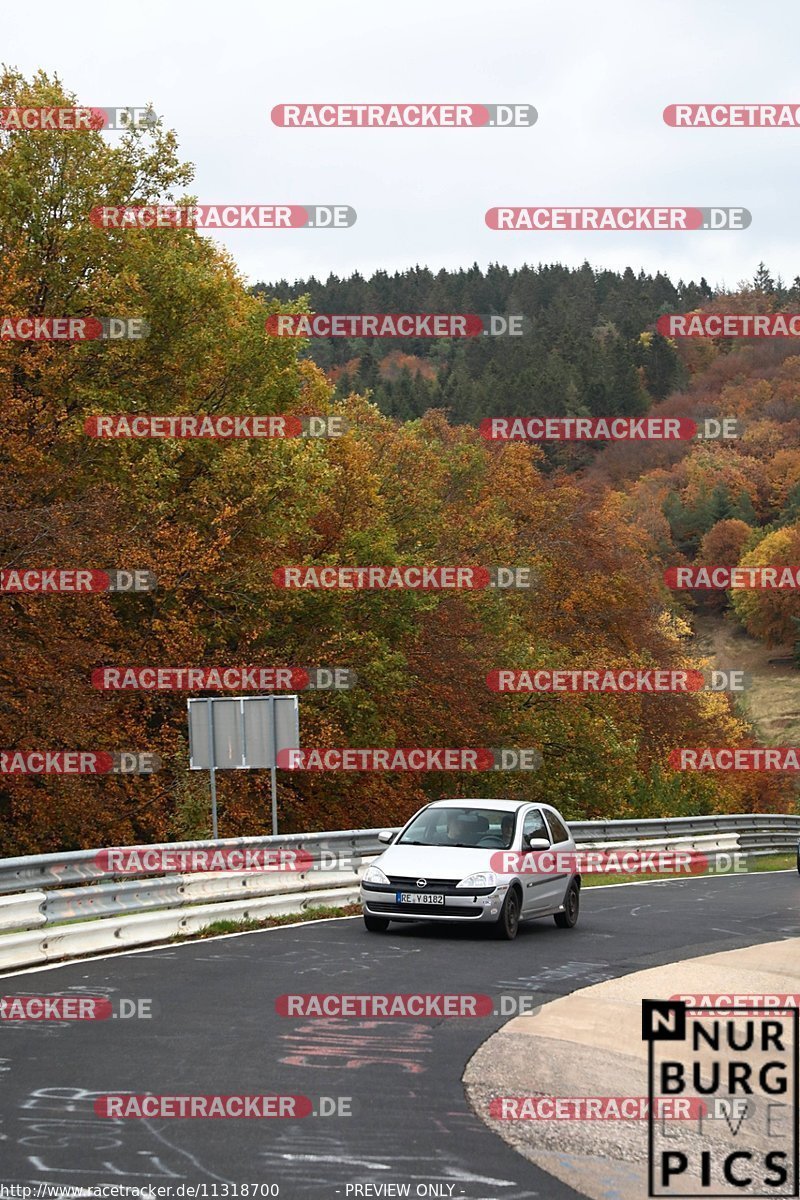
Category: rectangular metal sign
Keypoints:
(248, 732)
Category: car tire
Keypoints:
(507, 924)
(568, 919)
(376, 924)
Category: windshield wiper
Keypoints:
(440, 845)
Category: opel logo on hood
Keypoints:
(422, 883)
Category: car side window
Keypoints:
(557, 828)
(534, 826)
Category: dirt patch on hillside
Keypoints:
(772, 704)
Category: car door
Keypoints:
(563, 847)
(541, 892)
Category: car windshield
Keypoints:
(480, 828)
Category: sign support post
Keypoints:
(212, 769)
(274, 768)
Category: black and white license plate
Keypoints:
(419, 898)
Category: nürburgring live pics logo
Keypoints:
(742, 1062)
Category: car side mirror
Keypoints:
(386, 835)
(537, 843)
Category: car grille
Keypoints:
(408, 883)
(427, 910)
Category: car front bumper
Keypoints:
(381, 901)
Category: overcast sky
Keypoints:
(598, 74)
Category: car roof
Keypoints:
(469, 802)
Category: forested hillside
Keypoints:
(727, 502)
(214, 519)
(591, 348)
(582, 352)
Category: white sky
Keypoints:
(598, 74)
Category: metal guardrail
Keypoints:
(81, 866)
(52, 906)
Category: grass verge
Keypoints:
(770, 862)
(320, 913)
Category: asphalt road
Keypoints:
(215, 1030)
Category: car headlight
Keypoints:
(483, 879)
(374, 875)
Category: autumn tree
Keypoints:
(769, 614)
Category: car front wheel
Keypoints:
(508, 922)
(375, 924)
(568, 919)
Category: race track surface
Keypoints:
(215, 1030)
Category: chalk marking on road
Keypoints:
(341, 1159)
(459, 1173)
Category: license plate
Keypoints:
(419, 898)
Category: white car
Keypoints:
(443, 866)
